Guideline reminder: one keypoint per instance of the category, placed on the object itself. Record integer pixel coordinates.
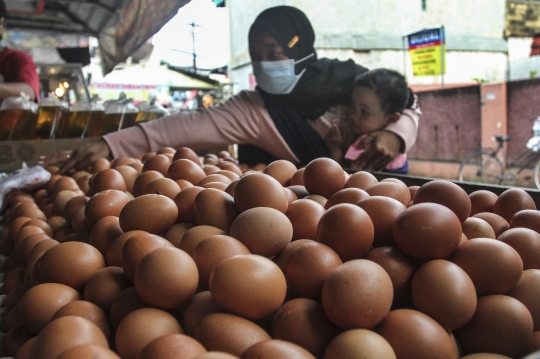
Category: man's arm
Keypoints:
(14, 89)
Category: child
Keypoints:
(379, 98)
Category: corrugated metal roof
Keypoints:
(84, 17)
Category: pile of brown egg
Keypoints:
(173, 255)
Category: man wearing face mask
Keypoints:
(281, 119)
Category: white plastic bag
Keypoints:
(28, 178)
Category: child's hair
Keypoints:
(391, 88)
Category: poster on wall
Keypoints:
(427, 49)
(535, 46)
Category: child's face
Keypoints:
(366, 113)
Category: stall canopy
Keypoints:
(121, 26)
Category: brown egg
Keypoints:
(383, 212)
(317, 198)
(73, 206)
(138, 246)
(213, 250)
(104, 285)
(500, 325)
(88, 351)
(512, 201)
(12, 319)
(216, 185)
(260, 190)
(65, 333)
(413, 334)
(23, 233)
(282, 171)
(216, 355)
(233, 176)
(299, 191)
(70, 263)
(122, 161)
(99, 164)
(396, 190)
(105, 203)
(214, 177)
(248, 285)
(494, 266)
(323, 176)
(14, 278)
(38, 305)
(172, 346)
(129, 174)
(302, 321)
(496, 222)
(187, 170)
(34, 255)
(188, 154)
(274, 348)
(143, 180)
(474, 227)
(16, 225)
(304, 216)
(291, 196)
(347, 195)
(412, 191)
(447, 194)
(184, 202)
(282, 258)
(482, 201)
(79, 224)
(183, 184)
(14, 296)
(61, 200)
(399, 267)
(147, 156)
(348, 304)
(28, 244)
(84, 184)
(166, 150)
(264, 231)
(104, 232)
(361, 180)
(209, 169)
(64, 183)
(527, 291)
(240, 334)
(445, 292)
(125, 302)
(163, 186)
(87, 310)
(526, 242)
(35, 213)
(159, 163)
(427, 231)
(199, 306)
(152, 213)
(176, 232)
(308, 267)
(298, 178)
(196, 235)
(359, 343)
(527, 218)
(114, 253)
(216, 208)
(108, 179)
(166, 278)
(141, 327)
(347, 229)
(230, 166)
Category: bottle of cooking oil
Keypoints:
(150, 110)
(83, 119)
(51, 111)
(18, 117)
(119, 114)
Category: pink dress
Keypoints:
(356, 149)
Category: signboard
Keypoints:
(428, 51)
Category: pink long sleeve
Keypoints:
(407, 126)
(242, 119)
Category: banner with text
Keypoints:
(428, 52)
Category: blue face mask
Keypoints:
(277, 77)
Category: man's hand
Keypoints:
(382, 147)
(79, 159)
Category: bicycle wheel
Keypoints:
(537, 174)
(481, 167)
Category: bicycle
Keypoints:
(485, 165)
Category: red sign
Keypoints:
(535, 46)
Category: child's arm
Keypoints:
(334, 141)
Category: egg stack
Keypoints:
(172, 255)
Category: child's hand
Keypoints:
(333, 138)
